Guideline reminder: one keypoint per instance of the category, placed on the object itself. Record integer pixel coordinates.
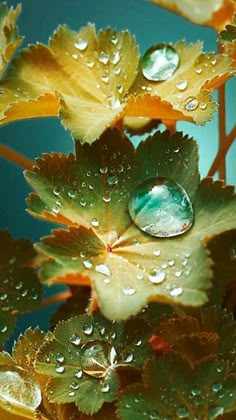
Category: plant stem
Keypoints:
(221, 123)
(15, 157)
(222, 152)
(53, 299)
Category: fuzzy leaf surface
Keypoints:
(214, 13)
(83, 356)
(20, 288)
(91, 81)
(115, 255)
(174, 389)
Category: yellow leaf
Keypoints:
(214, 13)
(188, 90)
(88, 76)
(93, 81)
(9, 37)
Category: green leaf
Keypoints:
(27, 346)
(20, 289)
(173, 389)
(104, 247)
(84, 355)
(229, 34)
(222, 251)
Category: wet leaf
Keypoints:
(84, 355)
(20, 289)
(173, 389)
(227, 38)
(94, 80)
(188, 90)
(9, 36)
(104, 247)
(214, 13)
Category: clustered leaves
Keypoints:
(20, 288)
(144, 333)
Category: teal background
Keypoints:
(150, 24)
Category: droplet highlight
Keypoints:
(161, 207)
(160, 62)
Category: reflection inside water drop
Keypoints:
(161, 208)
(160, 62)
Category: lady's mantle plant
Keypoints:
(146, 248)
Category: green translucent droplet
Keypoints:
(161, 208)
(160, 62)
(97, 357)
(182, 412)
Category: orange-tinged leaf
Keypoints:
(188, 90)
(9, 37)
(214, 13)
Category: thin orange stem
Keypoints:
(15, 157)
(221, 123)
(53, 299)
(222, 152)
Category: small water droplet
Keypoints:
(116, 57)
(156, 276)
(160, 62)
(3, 296)
(75, 339)
(95, 222)
(117, 71)
(114, 39)
(161, 208)
(3, 329)
(56, 191)
(106, 198)
(191, 103)
(71, 393)
(75, 57)
(74, 385)
(203, 106)
(128, 358)
(112, 179)
(81, 44)
(107, 281)
(128, 291)
(195, 391)
(182, 412)
(216, 387)
(104, 387)
(60, 358)
(140, 276)
(171, 263)
(182, 84)
(88, 329)
(90, 64)
(178, 273)
(103, 57)
(72, 193)
(114, 102)
(199, 70)
(78, 374)
(105, 79)
(103, 269)
(87, 264)
(120, 89)
(60, 369)
(56, 209)
(157, 253)
(176, 291)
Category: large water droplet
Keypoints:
(191, 103)
(161, 208)
(160, 62)
(18, 388)
(215, 411)
(75, 339)
(60, 369)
